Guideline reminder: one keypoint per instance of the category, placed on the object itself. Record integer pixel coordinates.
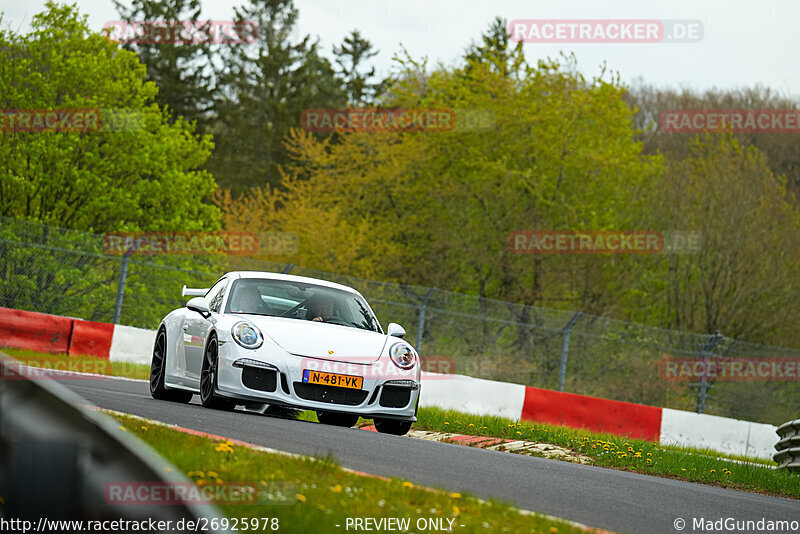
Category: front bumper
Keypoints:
(275, 377)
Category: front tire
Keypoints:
(392, 426)
(208, 378)
(157, 370)
(337, 419)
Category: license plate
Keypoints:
(332, 379)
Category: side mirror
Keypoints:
(395, 330)
(200, 305)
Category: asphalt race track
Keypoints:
(604, 498)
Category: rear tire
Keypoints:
(392, 426)
(337, 419)
(208, 378)
(157, 370)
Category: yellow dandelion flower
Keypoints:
(446, 423)
(518, 432)
(408, 484)
(190, 474)
(219, 482)
(649, 460)
(201, 482)
(471, 424)
(713, 471)
(456, 510)
(683, 469)
(300, 497)
(553, 530)
(264, 483)
(122, 428)
(212, 474)
(144, 428)
(337, 488)
(455, 495)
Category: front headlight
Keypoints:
(247, 335)
(402, 356)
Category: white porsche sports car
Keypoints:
(291, 341)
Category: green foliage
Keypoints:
(141, 175)
(263, 89)
(179, 69)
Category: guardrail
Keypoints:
(788, 455)
(57, 457)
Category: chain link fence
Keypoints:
(64, 272)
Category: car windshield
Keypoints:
(298, 300)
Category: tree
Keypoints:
(495, 52)
(350, 56)
(743, 282)
(131, 169)
(264, 89)
(180, 69)
(780, 150)
(143, 174)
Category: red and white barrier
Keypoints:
(51, 333)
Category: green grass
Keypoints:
(607, 450)
(314, 495)
(82, 364)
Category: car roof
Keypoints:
(290, 278)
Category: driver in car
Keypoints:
(248, 301)
(321, 309)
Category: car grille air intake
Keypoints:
(260, 379)
(329, 394)
(395, 396)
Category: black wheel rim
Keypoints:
(157, 365)
(209, 370)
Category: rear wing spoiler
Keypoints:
(190, 292)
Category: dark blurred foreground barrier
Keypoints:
(788, 455)
(57, 458)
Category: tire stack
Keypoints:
(788, 455)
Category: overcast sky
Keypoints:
(744, 42)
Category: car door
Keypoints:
(195, 329)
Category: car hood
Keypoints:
(324, 341)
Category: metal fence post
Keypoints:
(123, 275)
(421, 322)
(702, 390)
(562, 374)
(287, 268)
